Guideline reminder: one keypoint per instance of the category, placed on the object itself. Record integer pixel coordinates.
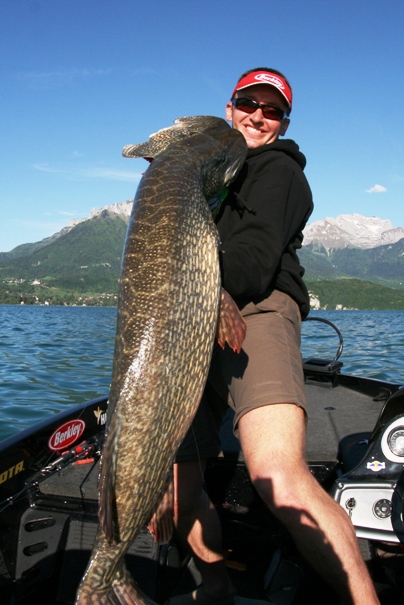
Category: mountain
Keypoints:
(351, 231)
(81, 263)
(354, 246)
(122, 210)
(382, 264)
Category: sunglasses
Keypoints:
(270, 112)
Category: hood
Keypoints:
(287, 146)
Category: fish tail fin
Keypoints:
(123, 591)
(183, 128)
(126, 592)
(96, 597)
(231, 327)
(161, 524)
(141, 150)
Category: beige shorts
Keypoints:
(268, 370)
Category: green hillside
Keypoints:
(355, 294)
(382, 264)
(84, 263)
(82, 266)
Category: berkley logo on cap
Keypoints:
(274, 80)
(266, 77)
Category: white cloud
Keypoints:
(57, 78)
(90, 173)
(376, 189)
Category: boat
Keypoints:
(355, 449)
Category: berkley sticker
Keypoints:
(66, 435)
(376, 466)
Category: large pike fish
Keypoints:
(168, 308)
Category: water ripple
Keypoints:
(51, 357)
(373, 342)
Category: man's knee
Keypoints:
(282, 484)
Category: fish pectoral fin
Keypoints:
(231, 327)
(107, 503)
(161, 524)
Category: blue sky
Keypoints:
(82, 78)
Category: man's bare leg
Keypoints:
(272, 438)
(198, 523)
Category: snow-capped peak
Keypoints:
(352, 230)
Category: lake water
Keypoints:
(51, 357)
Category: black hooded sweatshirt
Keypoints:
(260, 226)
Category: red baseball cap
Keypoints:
(266, 77)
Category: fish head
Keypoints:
(233, 144)
(220, 149)
(182, 129)
(224, 151)
(235, 152)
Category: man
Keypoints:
(260, 225)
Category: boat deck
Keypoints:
(335, 416)
(63, 506)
